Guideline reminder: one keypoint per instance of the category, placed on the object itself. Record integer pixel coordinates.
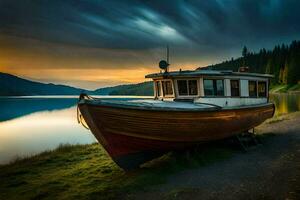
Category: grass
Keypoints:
(295, 87)
(86, 172)
(282, 117)
(277, 119)
(285, 88)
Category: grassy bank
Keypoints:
(86, 172)
(285, 88)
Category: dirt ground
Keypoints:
(268, 171)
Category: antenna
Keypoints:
(167, 53)
(164, 65)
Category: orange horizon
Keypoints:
(88, 68)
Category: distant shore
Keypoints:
(86, 172)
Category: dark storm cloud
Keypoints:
(209, 26)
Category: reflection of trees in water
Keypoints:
(286, 103)
(16, 107)
(283, 105)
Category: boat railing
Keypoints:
(210, 104)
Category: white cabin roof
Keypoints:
(204, 72)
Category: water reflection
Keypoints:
(16, 107)
(286, 103)
(39, 132)
(30, 125)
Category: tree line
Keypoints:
(283, 62)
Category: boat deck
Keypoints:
(150, 104)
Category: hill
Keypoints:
(139, 89)
(283, 61)
(11, 85)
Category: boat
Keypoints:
(189, 108)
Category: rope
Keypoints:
(80, 118)
(84, 96)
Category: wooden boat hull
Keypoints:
(132, 136)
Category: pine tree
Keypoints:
(291, 73)
(283, 62)
(245, 54)
(269, 67)
(285, 73)
(245, 51)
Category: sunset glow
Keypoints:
(84, 67)
(92, 44)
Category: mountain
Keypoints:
(139, 89)
(11, 85)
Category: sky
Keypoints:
(97, 43)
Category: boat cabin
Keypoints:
(221, 88)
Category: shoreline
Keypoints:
(85, 171)
(285, 89)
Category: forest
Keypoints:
(283, 62)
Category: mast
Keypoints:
(167, 53)
(167, 58)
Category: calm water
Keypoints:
(30, 125)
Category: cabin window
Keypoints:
(208, 87)
(182, 87)
(262, 88)
(219, 87)
(193, 89)
(213, 87)
(167, 88)
(252, 89)
(157, 88)
(187, 87)
(235, 88)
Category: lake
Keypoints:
(30, 125)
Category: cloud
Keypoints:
(148, 24)
(129, 34)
